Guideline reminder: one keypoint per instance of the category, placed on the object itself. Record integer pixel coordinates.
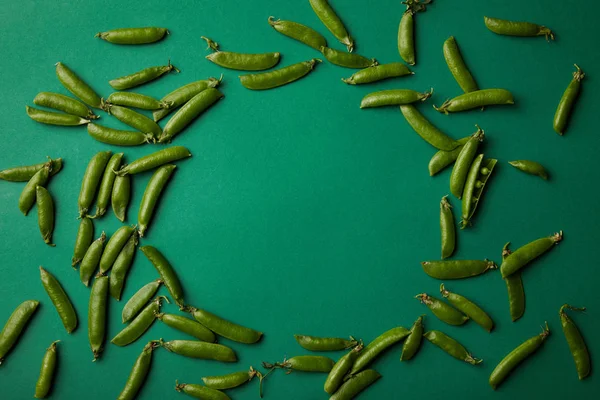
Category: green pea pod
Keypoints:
(91, 259)
(299, 32)
(138, 373)
(314, 343)
(53, 118)
(575, 340)
(332, 21)
(567, 102)
(442, 159)
(348, 60)
(189, 112)
(182, 95)
(447, 229)
(121, 266)
(27, 198)
(17, 322)
(468, 308)
(515, 28)
(225, 328)
(44, 382)
(356, 384)
(229, 381)
(515, 357)
(136, 100)
(133, 36)
(167, 274)
(241, 61)
(45, 206)
(530, 167)
(140, 77)
(477, 99)
(154, 160)
(85, 236)
(91, 181)
(139, 325)
(525, 254)
(463, 163)
(278, 77)
(406, 37)
(393, 97)
(188, 326)
(136, 120)
(308, 363)
(200, 392)
(202, 350)
(340, 369)
(97, 315)
(24, 174)
(121, 194)
(59, 298)
(443, 311)
(516, 295)
(65, 104)
(114, 246)
(107, 183)
(77, 86)
(479, 173)
(378, 346)
(426, 130)
(457, 269)
(413, 341)
(457, 66)
(451, 347)
(118, 137)
(135, 304)
(378, 73)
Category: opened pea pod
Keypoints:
(477, 178)
(463, 163)
(394, 97)
(241, 61)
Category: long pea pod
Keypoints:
(91, 181)
(426, 130)
(575, 340)
(85, 237)
(468, 308)
(517, 28)
(54, 118)
(133, 36)
(307, 364)
(182, 95)
(107, 183)
(97, 315)
(530, 167)
(77, 86)
(139, 372)
(27, 197)
(59, 298)
(91, 259)
(413, 341)
(188, 326)
(25, 173)
(135, 120)
(332, 21)
(114, 246)
(451, 347)
(136, 100)
(154, 160)
(225, 328)
(356, 384)
(527, 253)
(457, 66)
(348, 60)
(241, 61)
(229, 381)
(377, 73)
(378, 346)
(142, 322)
(14, 327)
(47, 372)
(299, 32)
(140, 77)
(479, 173)
(120, 196)
(457, 269)
(122, 265)
(135, 304)
(118, 137)
(278, 77)
(201, 350)
(447, 228)
(394, 97)
(443, 311)
(315, 343)
(65, 104)
(45, 207)
(200, 392)
(166, 272)
(463, 163)
(567, 102)
(477, 99)
(340, 369)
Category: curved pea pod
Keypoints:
(114, 246)
(156, 159)
(229, 381)
(144, 35)
(45, 206)
(530, 167)
(575, 340)
(394, 97)
(188, 326)
(166, 272)
(97, 315)
(200, 392)
(406, 37)
(138, 373)
(443, 159)
(44, 382)
(516, 28)
(65, 104)
(122, 265)
(139, 325)
(479, 173)
(91, 181)
(315, 343)
(477, 99)
(308, 363)
(443, 311)
(457, 269)
(182, 95)
(447, 229)
(356, 384)
(140, 77)
(25, 173)
(463, 163)
(189, 112)
(107, 183)
(27, 197)
(340, 369)
(59, 298)
(567, 102)
(515, 357)
(279, 77)
(468, 308)
(299, 32)
(135, 120)
(413, 341)
(77, 86)
(85, 236)
(451, 347)
(118, 137)
(139, 300)
(348, 60)
(457, 66)
(54, 118)
(378, 346)
(91, 259)
(225, 328)
(525, 254)
(332, 21)
(120, 196)
(17, 322)
(136, 100)
(426, 130)
(202, 350)
(378, 73)
(241, 61)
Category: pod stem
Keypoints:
(557, 237)
(427, 95)
(424, 298)
(415, 6)
(545, 330)
(443, 108)
(579, 74)
(443, 291)
(546, 32)
(473, 360)
(261, 378)
(211, 44)
(490, 265)
(569, 307)
(179, 386)
(480, 134)
(506, 251)
(445, 204)
(171, 67)
(272, 21)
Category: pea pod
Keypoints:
(451, 347)
(377, 73)
(457, 66)
(513, 28)
(241, 61)
(463, 163)
(315, 343)
(91, 180)
(307, 363)
(121, 194)
(479, 173)
(477, 99)
(426, 130)
(575, 340)
(166, 272)
(118, 137)
(59, 298)
(516, 357)
(45, 207)
(188, 326)
(97, 315)
(356, 384)
(154, 160)
(17, 322)
(114, 246)
(121, 266)
(139, 325)
(140, 77)
(530, 167)
(202, 350)
(182, 95)
(134, 36)
(443, 311)
(413, 341)
(468, 308)
(340, 369)
(85, 236)
(442, 159)
(24, 174)
(65, 104)
(447, 229)
(378, 346)
(457, 269)
(567, 102)
(229, 381)
(348, 60)
(330, 19)
(139, 300)
(516, 291)
(77, 86)
(136, 100)
(135, 120)
(200, 392)
(91, 259)
(406, 29)
(107, 183)
(299, 32)
(279, 77)
(393, 97)
(27, 197)
(44, 382)
(225, 328)
(138, 373)
(53, 118)
(525, 254)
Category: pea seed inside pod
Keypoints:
(241, 61)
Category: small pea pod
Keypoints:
(85, 236)
(91, 181)
(200, 392)
(135, 304)
(114, 246)
(120, 196)
(530, 167)
(27, 198)
(154, 160)
(426, 130)
(307, 364)
(241, 61)
(139, 325)
(515, 28)
(91, 259)
(451, 347)
(118, 137)
(278, 77)
(201, 350)
(575, 340)
(443, 311)
(378, 346)
(17, 322)
(340, 369)
(515, 357)
(182, 95)
(121, 266)
(468, 308)
(229, 381)
(477, 99)
(347, 60)
(139, 372)
(393, 97)
(45, 206)
(526, 254)
(225, 328)
(188, 326)
(65, 104)
(25, 173)
(53, 118)
(457, 269)
(479, 173)
(133, 36)
(332, 21)
(166, 272)
(463, 163)
(299, 32)
(140, 77)
(59, 298)
(44, 382)
(77, 86)
(457, 66)
(315, 343)
(356, 384)
(136, 100)
(107, 183)
(443, 159)
(97, 315)
(447, 229)
(378, 73)
(413, 341)
(567, 102)
(135, 120)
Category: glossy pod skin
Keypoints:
(27, 197)
(136, 100)
(45, 207)
(442, 159)
(356, 384)
(477, 178)
(406, 37)
(140, 77)
(54, 118)
(144, 35)
(201, 392)
(139, 325)
(394, 97)
(451, 347)
(447, 228)
(154, 160)
(91, 181)
(426, 130)
(567, 102)
(241, 61)
(59, 298)
(24, 174)
(457, 269)
(189, 112)
(135, 120)
(515, 357)
(182, 95)
(202, 350)
(229, 381)
(315, 343)
(413, 341)
(378, 346)
(468, 308)
(457, 66)
(530, 167)
(188, 326)
(330, 19)
(348, 60)
(443, 311)
(299, 32)
(97, 315)
(91, 259)
(225, 328)
(77, 86)
(120, 196)
(15, 325)
(44, 382)
(65, 104)
(166, 272)
(279, 77)
(107, 183)
(527, 253)
(85, 237)
(340, 369)
(463, 163)
(516, 291)
(378, 73)
(121, 266)
(513, 28)
(309, 363)
(138, 373)
(575, 340)
(135, 304)
(477, 99)
(114, 246)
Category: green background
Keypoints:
(300, 213)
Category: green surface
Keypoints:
(300, 213)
